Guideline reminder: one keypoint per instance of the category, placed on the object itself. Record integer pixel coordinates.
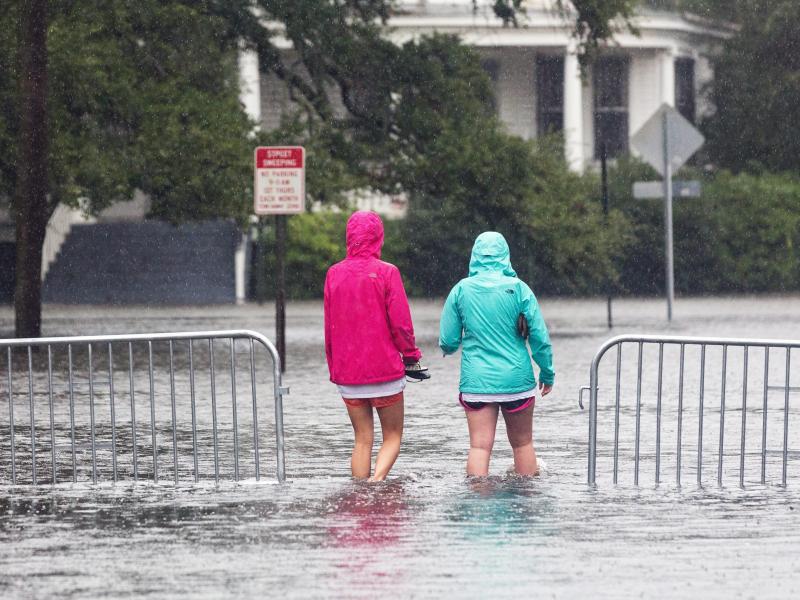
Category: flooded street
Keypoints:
(427, 531)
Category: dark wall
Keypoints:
(145, 263)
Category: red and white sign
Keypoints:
(280, 180)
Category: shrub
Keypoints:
(741, 235)
(315, 242)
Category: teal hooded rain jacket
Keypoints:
(481, 314)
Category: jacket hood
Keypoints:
(364, 234)
(490, 253)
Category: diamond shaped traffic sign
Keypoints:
(683, 139)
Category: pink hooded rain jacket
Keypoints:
(368, 330)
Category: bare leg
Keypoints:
(392, 427)
(482, 425)
(361, 418)
(519, 427)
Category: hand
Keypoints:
(545, 388)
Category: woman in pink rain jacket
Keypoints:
(369, 342)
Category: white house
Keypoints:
(538, 83)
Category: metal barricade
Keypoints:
(679, 347)
(84, 433)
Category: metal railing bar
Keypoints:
(139, 337)
(233, 401)
(152, 410)
(113, 412)
(700, 415)
(76, 386)
(786, 415)
(33, 420)
(174, 412)
(592, 454)
(744, 419)
(91, 415)
(616, 414)
(11, 419)
(52, 416)
(279, 391)
(638, 416)
(194, 412)
(214, 409)
(658, 412)
(695, 341)
(133, 411)
(764, 419)
(680, 418)
(255, 407)
(722, 413)
(71, 381)
(704, 343)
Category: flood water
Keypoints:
(428, 531)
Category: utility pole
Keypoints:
(604, 188)
(280, 288)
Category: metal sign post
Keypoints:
(280, 190)
(280, 288)
(666, 141)
(668, 219)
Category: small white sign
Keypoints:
(644, 190)
(280, 180)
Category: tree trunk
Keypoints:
(31, 210)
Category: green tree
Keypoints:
(594, 21)
(756, 91)
(139, 96)
(731, 11)
(143, 95)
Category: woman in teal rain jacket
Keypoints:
(491, 313)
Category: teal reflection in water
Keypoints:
(501, 508)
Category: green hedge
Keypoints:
(742, 235)
(315, 242)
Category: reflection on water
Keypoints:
(428, 531)
(365, 523)
(502, 508)
(367, 516)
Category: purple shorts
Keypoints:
(514, 406)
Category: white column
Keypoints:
(240, 269)
(250, 84)
(667, 60)
(573, 111)
(250, 97)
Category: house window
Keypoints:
(611, 106)
(549, 94)
(684, 88)
(492, 68)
